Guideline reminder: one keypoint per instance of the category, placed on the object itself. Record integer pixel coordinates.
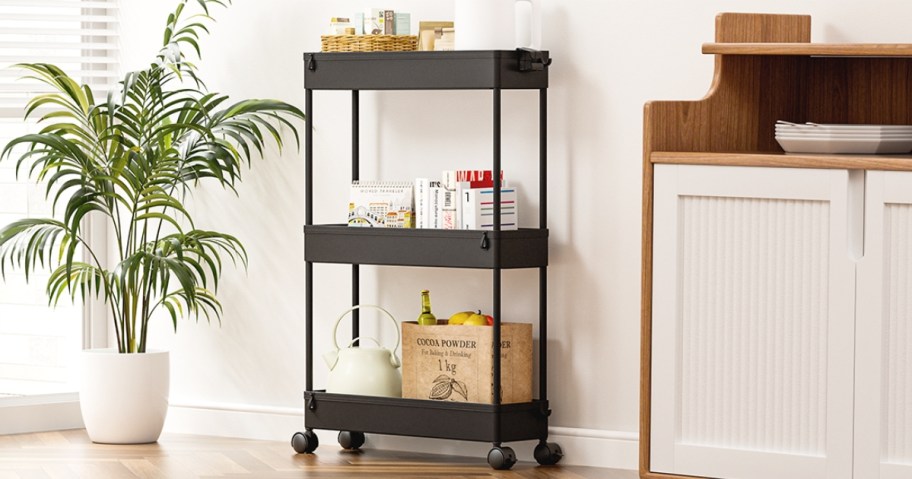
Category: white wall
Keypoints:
(609, 58)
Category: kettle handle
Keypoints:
(388, 315)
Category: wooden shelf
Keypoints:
(782, 160)
(755, 84)
(811, 49)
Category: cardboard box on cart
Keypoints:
(456, 363)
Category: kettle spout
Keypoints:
(331, 358)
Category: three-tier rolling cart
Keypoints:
(488, 250)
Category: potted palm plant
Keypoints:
(131, 159)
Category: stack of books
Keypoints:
(460, 200)
(463, 199)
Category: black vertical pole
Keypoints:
(496, 251)
(308, 220)
(355, 169)
(543, 223)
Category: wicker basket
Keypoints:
(369, 43)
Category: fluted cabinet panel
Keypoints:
(897, 335)
(753, 320)
(753, 323)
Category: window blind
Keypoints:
(38, 343)
(79, 36)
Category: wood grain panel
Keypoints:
(828, 98)
(841, 162)
(782, 86)
(646, 297)
(876, 89)
(70, 454)
(748, 96)
(738, 90)
(750, 93)
(753, 27)
(807, 49)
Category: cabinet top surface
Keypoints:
(455, 70)
(811, 49)
(851, 162)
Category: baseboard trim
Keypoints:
(583, 447)
(52, 412)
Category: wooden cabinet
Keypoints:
(777, 289)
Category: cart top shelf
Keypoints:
(454, 70)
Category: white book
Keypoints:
(478, 209)
(434, 208)
(446, 202)
(460, 187)
(422, 201)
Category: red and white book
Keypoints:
(475, 178)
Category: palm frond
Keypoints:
(80, 280)
(74, 97)
(29, 244)
(178, 305)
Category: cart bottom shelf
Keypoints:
(425, 418)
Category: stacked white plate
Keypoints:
(851, 139)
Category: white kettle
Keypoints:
(364, 371)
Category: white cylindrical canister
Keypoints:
(484, 24)
(522, 22)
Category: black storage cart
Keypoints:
(492, 250)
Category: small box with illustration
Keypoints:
(456, 363)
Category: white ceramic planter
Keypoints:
(124, 397)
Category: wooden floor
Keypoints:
(70, 454)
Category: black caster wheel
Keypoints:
(501, 458)
(305, 442)
(351, 439)
(548, 453)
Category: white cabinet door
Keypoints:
(753, 310)
(883, 388)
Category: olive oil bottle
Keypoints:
(426, 318)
